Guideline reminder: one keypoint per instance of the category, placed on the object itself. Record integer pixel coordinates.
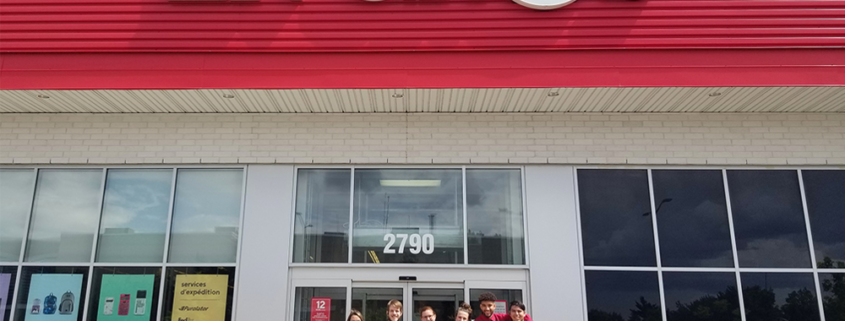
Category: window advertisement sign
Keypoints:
(125, 297)
(200, 297)
(54, 297)
(5, 281)
(501, 306)
(320, 309)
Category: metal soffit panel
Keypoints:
(452, 100)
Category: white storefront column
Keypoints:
(553, 244)
(263, 276)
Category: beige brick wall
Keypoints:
(760, 139)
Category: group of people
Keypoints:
(487, 303)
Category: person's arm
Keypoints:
(507, 317)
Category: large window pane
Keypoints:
(408, 216)
(322, 216)
(336, 302)
(15, 203)
(494, 217)
(619, 296)
(825, 192)
(206, 215)
(65, 215)
(833, 295)
(768, 219)
(779, 296)
(134, 215)
(692, 218)
(701, 296)
(616, 217)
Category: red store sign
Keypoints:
(320, 309)
(537, 4)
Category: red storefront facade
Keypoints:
(439, 44)
(174, 143)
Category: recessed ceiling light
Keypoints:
(409, 182)
(714, 94)
(43, 96)
(230, 96)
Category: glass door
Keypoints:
(443, 298)
(372, 299)
(318, 297)
(318, 300)
(504, 291)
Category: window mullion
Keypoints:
(28, 221)
(580, 244)
(166, 243)
(811, 244)
(733, 244)
(464, 202)
(351, 213)
(94, 246)
(656, 246)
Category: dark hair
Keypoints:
(464, 308)
(516, 303)
(487, 296)
(355, 313)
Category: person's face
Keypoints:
(487, 308)
(517, 314)
(394, 313)
(354, 318)
(428, 315)
(462, 316)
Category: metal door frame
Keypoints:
(428, 278)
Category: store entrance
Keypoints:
(372, 298)
(330, 293)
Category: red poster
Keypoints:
(320, 309)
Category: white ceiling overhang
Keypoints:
(457, 100)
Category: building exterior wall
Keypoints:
(269, 198)
(554, 242)
(733, 139)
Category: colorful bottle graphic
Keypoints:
(36, 307)
(141, 302)
(123, 307)
(108, 308)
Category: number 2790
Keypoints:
(416, 243)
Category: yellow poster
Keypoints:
(200, 297)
